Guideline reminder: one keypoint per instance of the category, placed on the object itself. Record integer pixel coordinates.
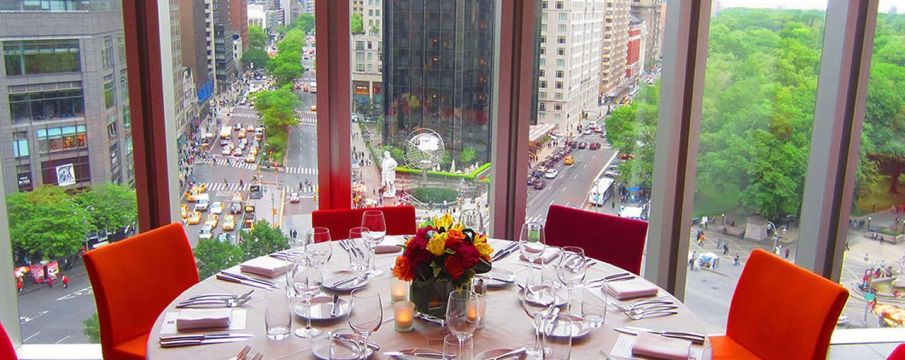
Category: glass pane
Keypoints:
(592, 144)
(758, 110)
(68, 174)
(421, 123)
(874, 257)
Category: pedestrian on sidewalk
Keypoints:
(50, 281)
(65, 281)
(726, 249)
(19, 284)
(241, 183)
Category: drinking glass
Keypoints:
(472, 219)
(359, 253)
(277, 318)
(559, 345)
(537, 299)
(376, 229)
(531, 243)
(318, 248)
(571, 269)
(335, 345)
(462, 315)
(593, 308)
(367, 313)
(452, 350)
(304, 287)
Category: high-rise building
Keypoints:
(238, 18)
(367, 53)
(63, 95)
(183, 88)
(226, 68)
(613, 51)
(286, 6)
(194, 34)
(634, 54)
(438, 74)
(648, 12)
(258, 17)
(569, 62)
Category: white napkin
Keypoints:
(659, 347)
(547, 256)
(630, 289)
(266, 266)
(194, 319)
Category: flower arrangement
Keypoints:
(443, 249)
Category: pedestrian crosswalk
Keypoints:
(307, 120)
(535, 219)
(231, 187)
(236, 163)
(300, 170)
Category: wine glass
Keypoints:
(367, 314)
(304, 286)
(318, 254)
(472, 219)
(558, 341)
(531, 243)
(537, 299)
(571, 269)
(375, 230)
(358, 258)
(462, 315)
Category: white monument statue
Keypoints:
(388, 175)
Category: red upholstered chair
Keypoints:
(7, 351)
(898, 353)
(400, 220)
(618, 241)
(134, 280)
(779, 311)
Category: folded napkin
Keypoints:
(195, 319)
(630, 289)
(658, 347)
(549, 255)
(387, 249)
(266, 266)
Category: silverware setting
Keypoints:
(203, 339)
(642, 304)
(422, 353)
(431, 319)
(246, 280)
(614, 277)
(355, 340)
(650, 314)
(334, 310)
(216, 300)
(514, 353)
(220, 295)
(242, 353)
(509, 249)
(683, 335)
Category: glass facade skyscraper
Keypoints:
(438, 69)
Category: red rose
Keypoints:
(467, 254)
(454, 238)
(422, 233)
(454, 267)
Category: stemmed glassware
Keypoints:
(375, 230)
(320, 254)
(532, 244)
(571, 269)
(462, 315)
(538, 299)
(366, 316)
(358, 259)
(472, 219)
(303, 284)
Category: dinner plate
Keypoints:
(322, 352)
(560, 300)
(489, 354)
(322, 308)
(345, 286)
(498, 278)
(580, 328)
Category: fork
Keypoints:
(241, 355)
(650, 314)
(228, 302)
(258, 356)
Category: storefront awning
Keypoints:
(536, 132)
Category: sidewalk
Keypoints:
(370, 175)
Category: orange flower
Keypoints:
(454, 238)
(403, 269)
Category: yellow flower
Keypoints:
(437, 244)
(444, 221)
(457, 226)
(484, 249)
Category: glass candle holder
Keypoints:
(404, 315)
(399, 290)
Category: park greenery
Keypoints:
(758, 112)
(51, 222)
(286, 66)
(92, 329)
(357, 24)
(213, 255)
(256, 55)
(435, 195)
(277, 109)
(305, 23)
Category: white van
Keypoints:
(203, 201)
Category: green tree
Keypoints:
(111, 206)
(286, 66)
(92, 329)
(255, 58)
(46, 223)
(304, 22)
(257, 38)
(357, 24)
(467, 156)
(262, 240)
(212, 255)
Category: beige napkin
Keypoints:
(658, 347)
(630, 289)
(266, 266)
(194, 319)
(549, 255)
(387, 249)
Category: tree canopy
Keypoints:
(263, 239)
(287, 65)
(111, 206)
(212, 255)
(357, 24)
(304, 22)
(46, 223)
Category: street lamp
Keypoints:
(868, 223)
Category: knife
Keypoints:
(334, 311)
(422, 353)
(249, 278)
(516, 352)
(505, 252)
(193, 342)
(204, 336)
(225, 277)
(694, 338)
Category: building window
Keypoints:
(543, 39)
(20, 144)
(559, 84)
(543, 5)
(561, 51)
(107, 52)
(563, 17)
(61, 138)
(41, 56)
(560, 62)
(80, 166)
(561, 40)
(561, 28)
(46, 105)
(543, 84)
(109, 96)
(24, 177)
(111, 127)
(543, 51)
(540, 72)
(543, 106)
(557, 107)
(559, 5)
(560, 74)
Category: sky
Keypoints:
(802, 4)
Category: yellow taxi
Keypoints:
(241, 134)
(184, 211)
(250, 158)
(212, 220)
(229, 222)
(314, 108)
(568, 160)
(194, 218)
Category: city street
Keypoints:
(55, 315)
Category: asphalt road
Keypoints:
(55, 315)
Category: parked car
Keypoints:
(551, 174)
(241, 134)
(557, 157)
(594, 146)
(203, 202)
(237, 152)
(207, 232)
(227, 150)
(237, 127)
(294, 198)
(538, 173)
(532, 180)
(184, 211)
(539, 184)
(588, 131)
(217, 207)
(250, 158)
(235, 207)
(611, 173)
(582, 145)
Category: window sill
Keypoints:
(59, 351)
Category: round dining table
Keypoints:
(506, 325)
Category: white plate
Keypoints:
(322, 308)
(580, 328)
(348, 286)
(322, 352)
(560, 300)
(498, 278)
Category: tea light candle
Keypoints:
(404, 315)
(399, 290)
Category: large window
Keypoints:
(61, 138)
(59, 5)
(30, 57)
(46, 105)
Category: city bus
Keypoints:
(601, 191)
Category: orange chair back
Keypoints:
(782, 311)
(400, 220)
(135, 279)
(898, 353)
(7, 351)
(618, 241)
